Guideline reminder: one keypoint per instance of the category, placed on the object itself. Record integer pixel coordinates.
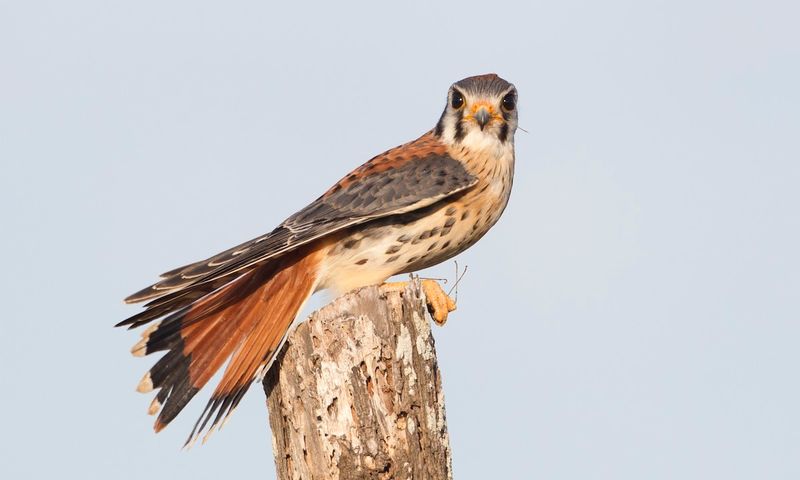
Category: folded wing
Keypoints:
(403, 179)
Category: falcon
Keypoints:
(406, 209)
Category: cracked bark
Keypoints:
(357, 394)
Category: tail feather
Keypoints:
(245, 320)
(171, 302)
(176, 325)
(216, 320)
(292, 287)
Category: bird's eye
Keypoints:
(457, 100)
(509, 102)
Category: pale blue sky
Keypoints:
(635, 314)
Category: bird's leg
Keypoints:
(439, 303)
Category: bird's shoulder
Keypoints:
(427, 148)
(408, 176)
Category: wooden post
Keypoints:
(356, 393)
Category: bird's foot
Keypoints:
(439, 303)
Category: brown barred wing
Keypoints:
(403, 179)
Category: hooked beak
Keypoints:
(482, 116)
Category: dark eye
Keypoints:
(457, 100)
(509, 102)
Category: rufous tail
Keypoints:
(245, 320)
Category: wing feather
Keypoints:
(401, 180)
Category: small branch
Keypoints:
(356, 393)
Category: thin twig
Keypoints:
(458, 280)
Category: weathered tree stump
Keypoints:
(356, 392)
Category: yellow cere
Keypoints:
(489, 108)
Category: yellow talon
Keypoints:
(439, 303)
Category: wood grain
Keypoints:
(357, 393)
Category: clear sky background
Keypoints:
(635, 314)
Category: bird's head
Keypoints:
(480, 110)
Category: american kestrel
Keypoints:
(411, 207)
